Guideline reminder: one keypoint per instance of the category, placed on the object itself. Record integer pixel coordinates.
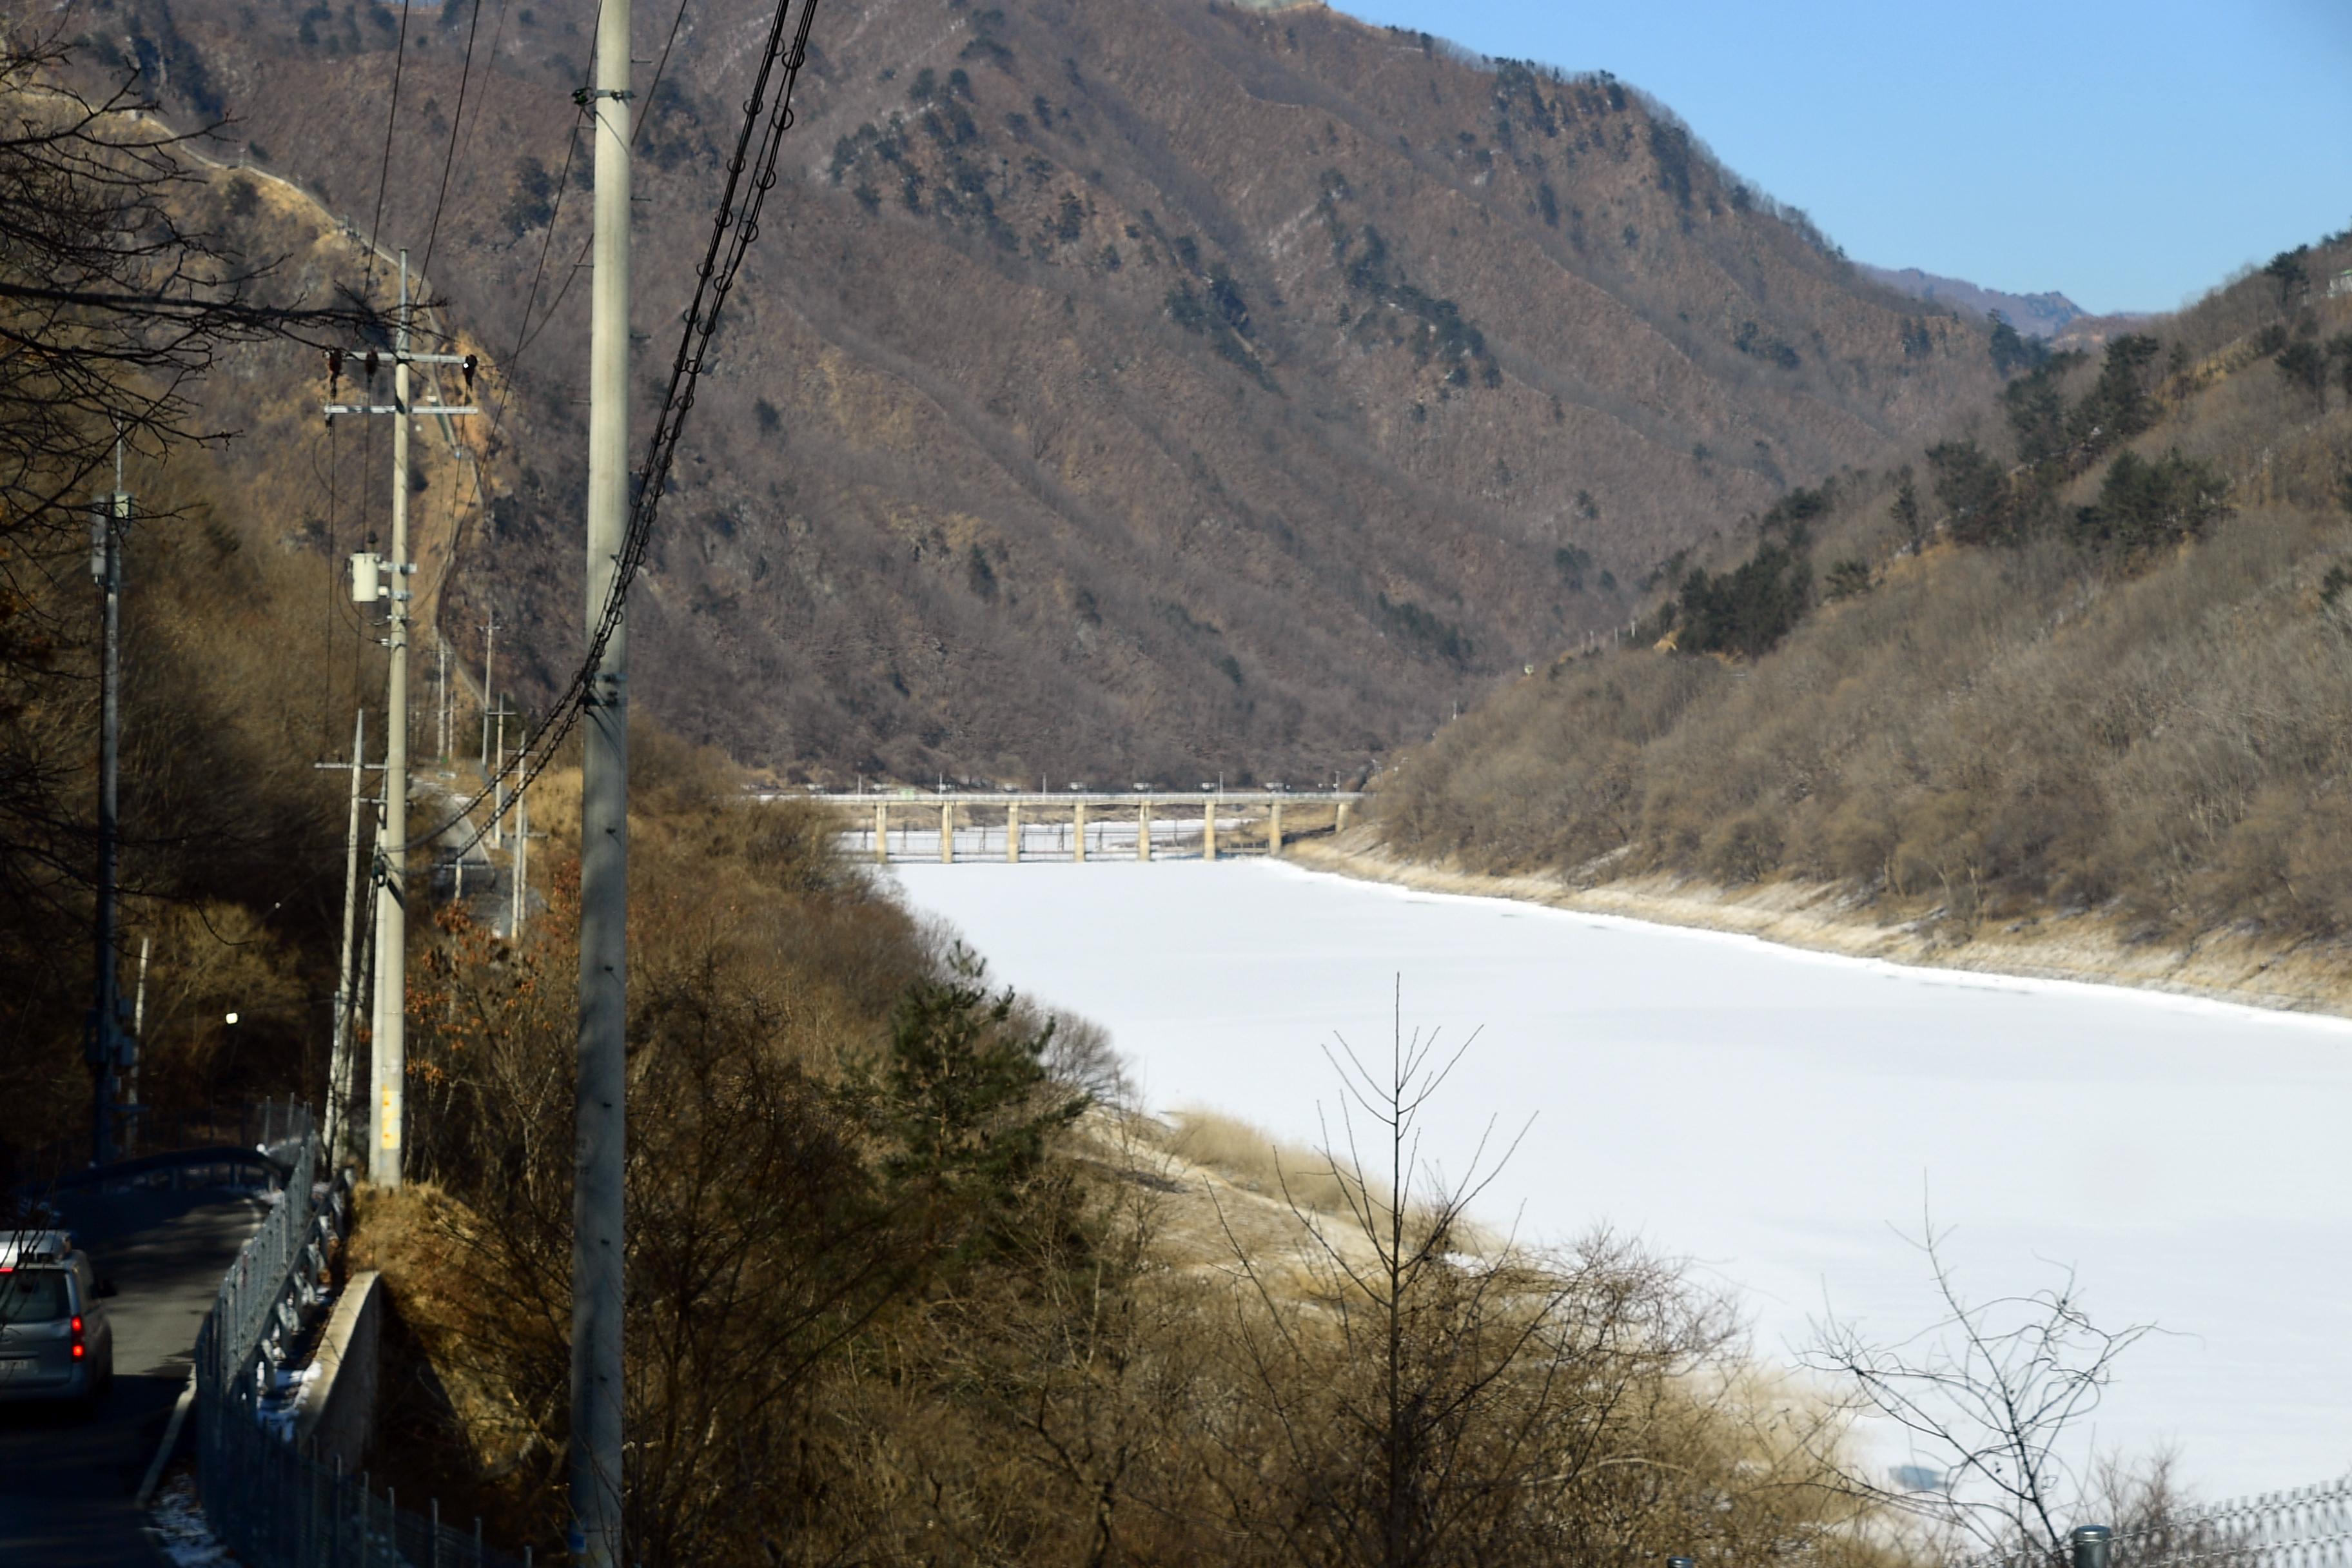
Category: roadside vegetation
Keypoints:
(908, 1282)
(2086, 656)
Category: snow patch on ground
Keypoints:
(180, 1528)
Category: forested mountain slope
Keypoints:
(2095, 659)
(1136, 389)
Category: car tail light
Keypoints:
(79, 1349)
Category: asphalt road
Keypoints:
(67, 1477)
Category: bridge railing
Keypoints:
(265, 1124)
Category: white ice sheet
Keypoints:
(1777, 1115)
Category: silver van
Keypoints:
(55, 1342)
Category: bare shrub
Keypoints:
(1406, 1400)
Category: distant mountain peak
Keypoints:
(2035, 315)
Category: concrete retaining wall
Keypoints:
(337, 1411)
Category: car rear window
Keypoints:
(34, 1296)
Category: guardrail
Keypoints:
(272, 1506)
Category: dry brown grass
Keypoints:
(1250, 1159)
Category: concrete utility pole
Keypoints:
(137, 1033)
(387, 579)
(109, 1049)
(490, 668)
(498, 787)
(601, 1126)
(339, 1059)
(389, 1068)
(519, 868)
(441, 693)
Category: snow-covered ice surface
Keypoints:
(1777, 1115)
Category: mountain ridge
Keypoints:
(2043, 315)
(1114, 394)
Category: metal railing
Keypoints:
(265, 1124)
(2308, 1528)
(271, 1505)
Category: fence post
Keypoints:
(2094, 1545)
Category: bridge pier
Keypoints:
(1273, 831)
(881, 834)
(947, 834)
(1143, 831)
(1012, 834)
(1209, 829)
(1078, 838)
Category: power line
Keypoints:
(384, 169)
(659, 67)
(464, 77)
(497, 31)
(733, 230)
(571, 275)
(526, 333)
(523, 336)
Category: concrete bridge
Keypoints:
(1206, 824)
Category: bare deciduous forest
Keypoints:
(1124, 391)
(2087, 655)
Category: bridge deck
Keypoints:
(1089, 798)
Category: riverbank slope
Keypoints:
(2253, 969)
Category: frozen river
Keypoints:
(1776, 1116)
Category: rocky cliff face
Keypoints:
(1120, 390)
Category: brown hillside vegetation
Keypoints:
(897, 1295)
(1117, 391)
(230, 845)
(2092, 659)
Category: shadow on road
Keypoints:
(67, 1475)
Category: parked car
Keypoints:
(57, 1342)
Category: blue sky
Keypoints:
(2128, 155)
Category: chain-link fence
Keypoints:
(271, 1505)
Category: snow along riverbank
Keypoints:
(2257, 970)
(1776, 1114)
